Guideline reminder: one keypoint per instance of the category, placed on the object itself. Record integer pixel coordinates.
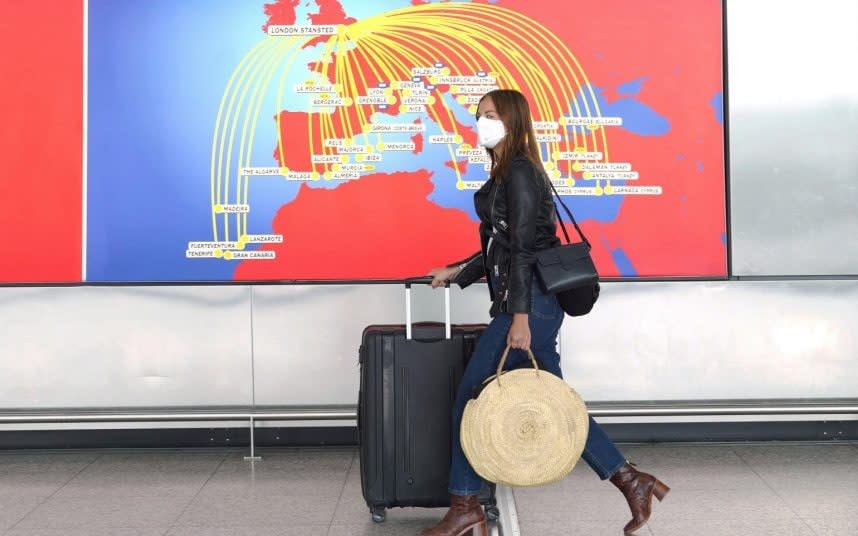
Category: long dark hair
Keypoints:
(514, 111)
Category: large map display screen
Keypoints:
(335, 139)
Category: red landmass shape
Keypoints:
(677, 47)
(460, 165)
(280, 12)
(330, 12)
(296, 141)
(418, 140)
(335, 234)
(418, 143)
(283, 12)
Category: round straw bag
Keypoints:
(526, 428)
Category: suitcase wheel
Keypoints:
(492, 513)
(378, 514)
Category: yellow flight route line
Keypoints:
(382, 53)
(321, 71)
(503, 24)
(531, 73)
(384, 57)
(461, 53)
(344, 112)
(526, 71)
(537, 70)
(324, 120)
(272, 58)
(431, 100)
(573, 101)
(492, 12)
(494, 65)
(218, 147)
(541, 29)
(289, 46)
(582, 91)
(327, 122)
(598, 112)
(421, 61)
(338, 73)
(278, 112)
(350, 76)
(246, 146)
(229, 125)
(395, 28)
(453, 123)
(388, 90)
(234, 126)
(570, 100)
(293, 45)
(379, 38)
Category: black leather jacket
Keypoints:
(517, 219)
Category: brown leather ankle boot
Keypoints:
(638, 488)
(464, 518)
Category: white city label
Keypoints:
(301, 29)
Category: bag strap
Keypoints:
(571, 217)
(503, 361)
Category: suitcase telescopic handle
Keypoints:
(426, 280)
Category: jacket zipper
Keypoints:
(494, 229)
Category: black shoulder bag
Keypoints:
(568, 271)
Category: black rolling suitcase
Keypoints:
(408, 381)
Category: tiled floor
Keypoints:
(725, 490)
(737, 490)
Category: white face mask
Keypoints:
(489, 132)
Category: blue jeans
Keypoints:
(545, 320)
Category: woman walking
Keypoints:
(517, 219)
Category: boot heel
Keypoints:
(659, 489)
